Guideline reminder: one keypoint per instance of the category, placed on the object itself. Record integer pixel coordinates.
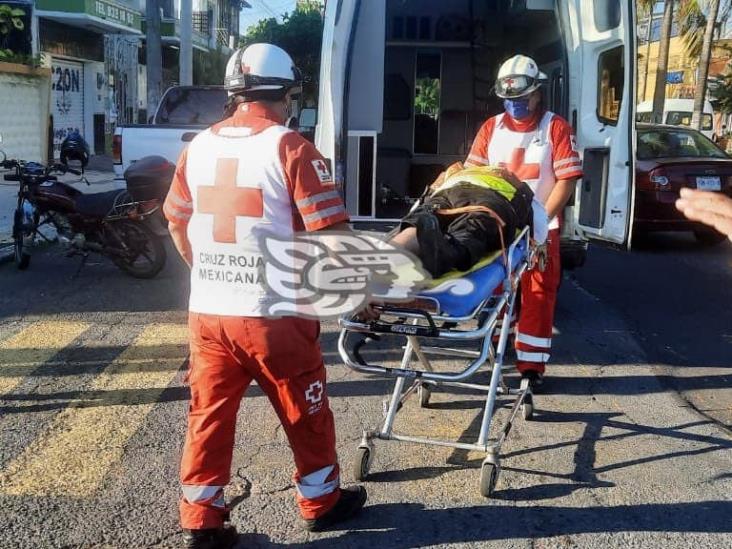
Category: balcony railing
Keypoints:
(201, 21)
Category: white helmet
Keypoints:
(518, 77)
(261, 67)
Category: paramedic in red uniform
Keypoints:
(539, 147)
(241, 177)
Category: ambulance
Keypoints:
(406, 84)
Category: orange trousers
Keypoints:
(283, 356)
(536, 313)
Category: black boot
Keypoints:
(210, 538)
(349, 504)
(438, 253)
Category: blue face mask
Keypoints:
(517, 109)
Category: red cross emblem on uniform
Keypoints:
(517, 164)
(314, 393)
(322, 171)
(226, 201)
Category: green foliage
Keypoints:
(427, 96)
(721, 93)
(9, 56)
(12, 25)
(10, 19)
(209, 68)
(300, 34)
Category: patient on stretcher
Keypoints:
(468, 214)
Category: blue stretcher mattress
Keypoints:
(459, 293)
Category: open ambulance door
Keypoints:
(601, 50)
(331, 131)
(351, 98)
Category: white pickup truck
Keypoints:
(183, 112)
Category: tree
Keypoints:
(659, 92)
(721, 95)
(706, 55)
(300, 34)
(697, 28)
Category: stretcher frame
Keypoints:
(415, 324)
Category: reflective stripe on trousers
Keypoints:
(536, 316)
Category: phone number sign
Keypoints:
(116, 13)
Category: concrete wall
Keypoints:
(25, 96)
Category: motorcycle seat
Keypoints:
(99, 204)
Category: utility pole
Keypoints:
(186, 42)
(154, 61)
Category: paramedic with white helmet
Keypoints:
(540, 148)
(245, 175)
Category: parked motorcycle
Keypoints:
(112, 224)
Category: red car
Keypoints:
(668, 158)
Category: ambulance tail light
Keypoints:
(117, 149)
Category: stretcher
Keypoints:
(470, 310)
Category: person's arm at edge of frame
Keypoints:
(178, 208)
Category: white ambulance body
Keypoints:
(406, 84)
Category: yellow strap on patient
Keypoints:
(482, 177)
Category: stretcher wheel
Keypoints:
(424, 396)
(362, 464)
(527, 408)
(488, 479)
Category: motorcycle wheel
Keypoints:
(22, 258)
(146, 256)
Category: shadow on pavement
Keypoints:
(403, 525)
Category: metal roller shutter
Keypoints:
(67, 100)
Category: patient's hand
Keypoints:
(369, 313)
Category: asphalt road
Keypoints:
(630, 446)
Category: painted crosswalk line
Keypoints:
(32, 346)
(72, 456)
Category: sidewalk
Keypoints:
(100, 176)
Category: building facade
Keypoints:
(96, 51)
(682, 68)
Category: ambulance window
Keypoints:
(427, 102)
(607, 14)
(611, 76)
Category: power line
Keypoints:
(268, 9)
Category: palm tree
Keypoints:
(659, 92)
(706, 56)
(697, 28)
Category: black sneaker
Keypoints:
(533, 378)
(349, 504)
(210, 538)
